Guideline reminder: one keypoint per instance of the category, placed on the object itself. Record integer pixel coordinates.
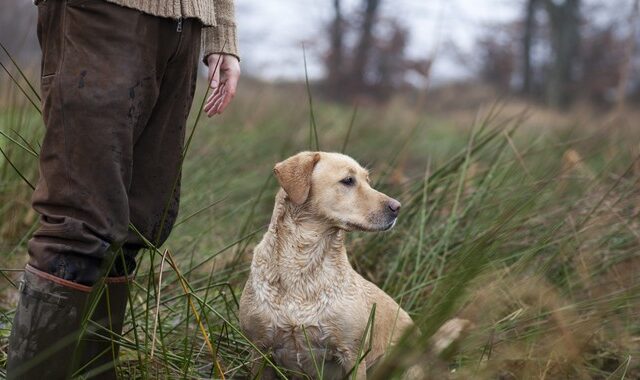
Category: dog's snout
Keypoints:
(394, 207)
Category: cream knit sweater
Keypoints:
(217, 16)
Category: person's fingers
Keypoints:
(231, 85)
(218, 102)
(224, 73)
(211, 104)
(214, 75)
(209, 108)
(213, 94)
(215, 62)
(213, 110)
(224, 102)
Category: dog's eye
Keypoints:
(348, 181)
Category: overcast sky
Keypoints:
(272, 32)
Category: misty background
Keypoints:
(556, 52)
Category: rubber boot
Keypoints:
(46, 326)
(99, 345)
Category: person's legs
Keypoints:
(154, 193)
(155, 185)
(154, 190)
(100, 64)
(103, 70)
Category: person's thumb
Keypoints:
(214, 70)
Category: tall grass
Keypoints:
(530, 231)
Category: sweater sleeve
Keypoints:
(221, 38)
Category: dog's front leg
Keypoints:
(362, 371)
(260, 369)
(359, 373)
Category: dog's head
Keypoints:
(336, 188)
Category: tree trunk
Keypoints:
(361, 59)
(335, 72)
(527, 39)
(565, 38)
(625, 69)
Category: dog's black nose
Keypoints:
(394, 207)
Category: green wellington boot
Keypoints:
(45, 339)
(46, 326)
(99, 346)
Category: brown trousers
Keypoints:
(117, 86)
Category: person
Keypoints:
(117, 82)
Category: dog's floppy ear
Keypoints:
(294, 175)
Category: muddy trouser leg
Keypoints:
(117, 87)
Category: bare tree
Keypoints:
(564, 20)
(527, 41)
(625, 69)
(497, 58)
(367, 54)
(335, 58)
(388, 63)
(591, 54)
(365, 43)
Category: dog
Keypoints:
(303, 303)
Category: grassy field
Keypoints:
(522, 221)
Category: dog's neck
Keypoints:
(300, 251)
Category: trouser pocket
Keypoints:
(50, 35)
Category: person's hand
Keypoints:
(224, 72)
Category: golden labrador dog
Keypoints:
(303, 303)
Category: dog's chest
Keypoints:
(303, 315)
(303, 330)
(298, 304)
